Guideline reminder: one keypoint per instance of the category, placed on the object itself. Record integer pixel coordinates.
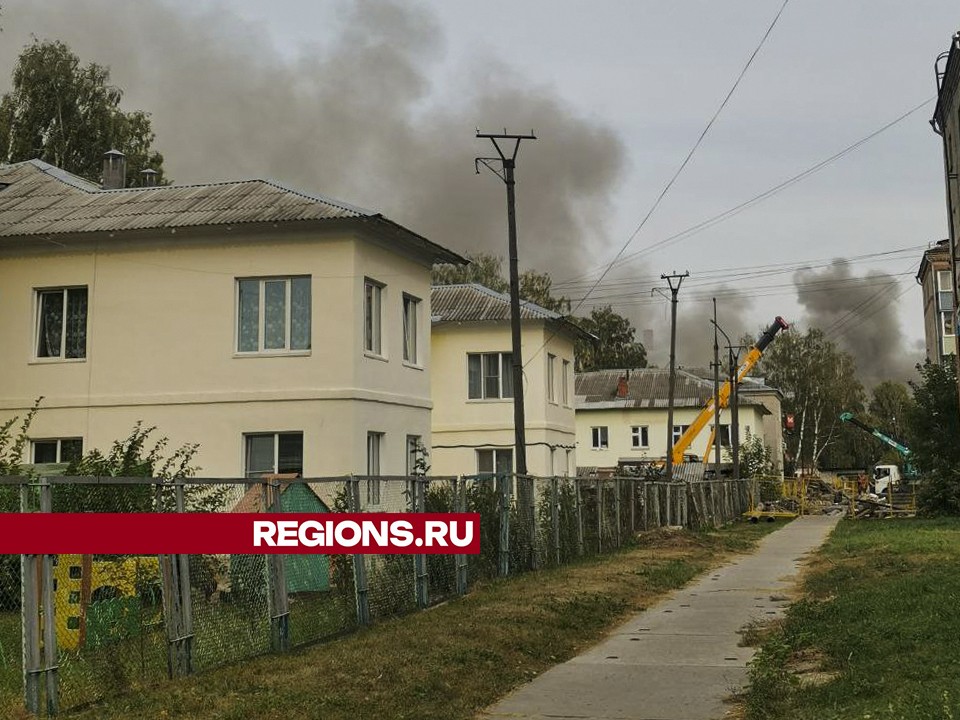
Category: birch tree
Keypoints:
(818, 382)
(68, 114)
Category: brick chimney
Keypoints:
(114, 170)
(623, 387)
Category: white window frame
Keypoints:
(413, 455)
(59, 441)
(947, 335)
(276, 449)
(552, 378)
(600, 437)
(502, 371)
(373, 307)
(261, 315)
(495, 455)
(374, 457)
(640, 437)
(565, 384)
(943, 286)
(411, 313)
(678, 431)
(38, 308)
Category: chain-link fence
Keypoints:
(78, 628)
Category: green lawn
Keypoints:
(11, 675)
(878, 633)
(449, 661)
(224, 633)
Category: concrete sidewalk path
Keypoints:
(681, 658)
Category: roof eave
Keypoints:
(950, 81)
(438, 253)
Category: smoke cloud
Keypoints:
(356, 119)
(694, 329)
(859, 313)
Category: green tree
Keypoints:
(933, 426)
(818, 382)
(487, 270)
(484, 269)
(68, 115)
(616, 346)
(756, 458)
(889, 404)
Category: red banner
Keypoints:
(239, 533)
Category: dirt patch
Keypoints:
(755, 633)
(669, 538)
(807, 666)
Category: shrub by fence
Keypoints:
(77, 628)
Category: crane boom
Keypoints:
(681, 446)
(849, 417)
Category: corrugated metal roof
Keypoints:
(748, 384)
(37, 198)
(646, 388)
(473, 302)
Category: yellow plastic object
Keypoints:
(79, 579)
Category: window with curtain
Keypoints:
(411, 311)
(599, 437)
(62, 323)
(551, 377)
(640, 436)
(372, 316)
(489, 376)
(273, 314)
(374, 448)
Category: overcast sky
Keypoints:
(377, 104)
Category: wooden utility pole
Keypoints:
(507, 163)
(674, 289)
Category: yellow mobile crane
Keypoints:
(683, 444)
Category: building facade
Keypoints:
(946, 123)
(472, 383)
(939, 311)
(280, 331)
(622, 416)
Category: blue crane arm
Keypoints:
(849, 417)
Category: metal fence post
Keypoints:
(186, 601)
(599, 516)
(49, 613)
(531, 510)
(278, 604)
(555, 516)
(616, 505)
(460, 498)
(418, 503)
(579, 503)
(504, 482)
(30, 618)
(359, 560)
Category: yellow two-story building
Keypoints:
(284, 332)
(472, 384)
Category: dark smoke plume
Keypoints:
(356, 119)
(694, 329)
(859, 313)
